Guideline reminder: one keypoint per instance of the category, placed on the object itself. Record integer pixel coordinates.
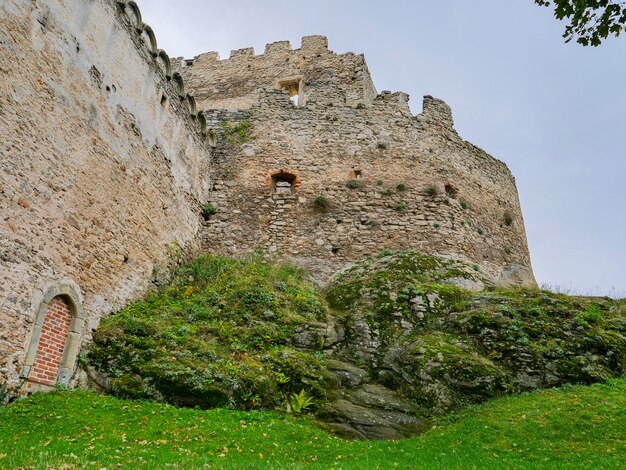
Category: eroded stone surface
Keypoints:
(368, 411)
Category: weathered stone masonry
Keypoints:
(104, 170)
(370, 175)
(107, 162)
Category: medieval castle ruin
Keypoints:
(116, 159)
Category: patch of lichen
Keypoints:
(219, 334)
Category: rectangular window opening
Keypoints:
(295, 87)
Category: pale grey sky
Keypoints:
(554, 112)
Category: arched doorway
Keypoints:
(56, 337)
(52, 342)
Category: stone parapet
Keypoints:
(235, 82)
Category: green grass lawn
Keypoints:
(582, 426)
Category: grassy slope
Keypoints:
(582, 426)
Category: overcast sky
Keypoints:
(555, 113)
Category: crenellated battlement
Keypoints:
(172, 82)
(235, 82)
(310, 45)
(316, 74)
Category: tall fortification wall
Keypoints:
(346, 173)
(104, 172)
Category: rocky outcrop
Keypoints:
(363, 410)
(441, 346)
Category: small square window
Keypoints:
(295, 88)
(283, 182)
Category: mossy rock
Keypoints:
(248, 333)
(415, 330)
(387, 279)
(442, 372)
(220, 333)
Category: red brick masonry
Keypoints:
(52, 343)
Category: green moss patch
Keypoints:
(391, 274)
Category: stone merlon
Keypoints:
(437, 111)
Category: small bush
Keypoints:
(401, 187)
(237, 133)
(400, 206)
(229, 173)
(463, 203)
(353, 184)
(321, 202)
(387, 192)
(432, 190)
(208, 210)
(381, 146)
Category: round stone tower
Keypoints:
(315, 166)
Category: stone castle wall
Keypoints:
(107, 165)
(365, 173)
(104, 170)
